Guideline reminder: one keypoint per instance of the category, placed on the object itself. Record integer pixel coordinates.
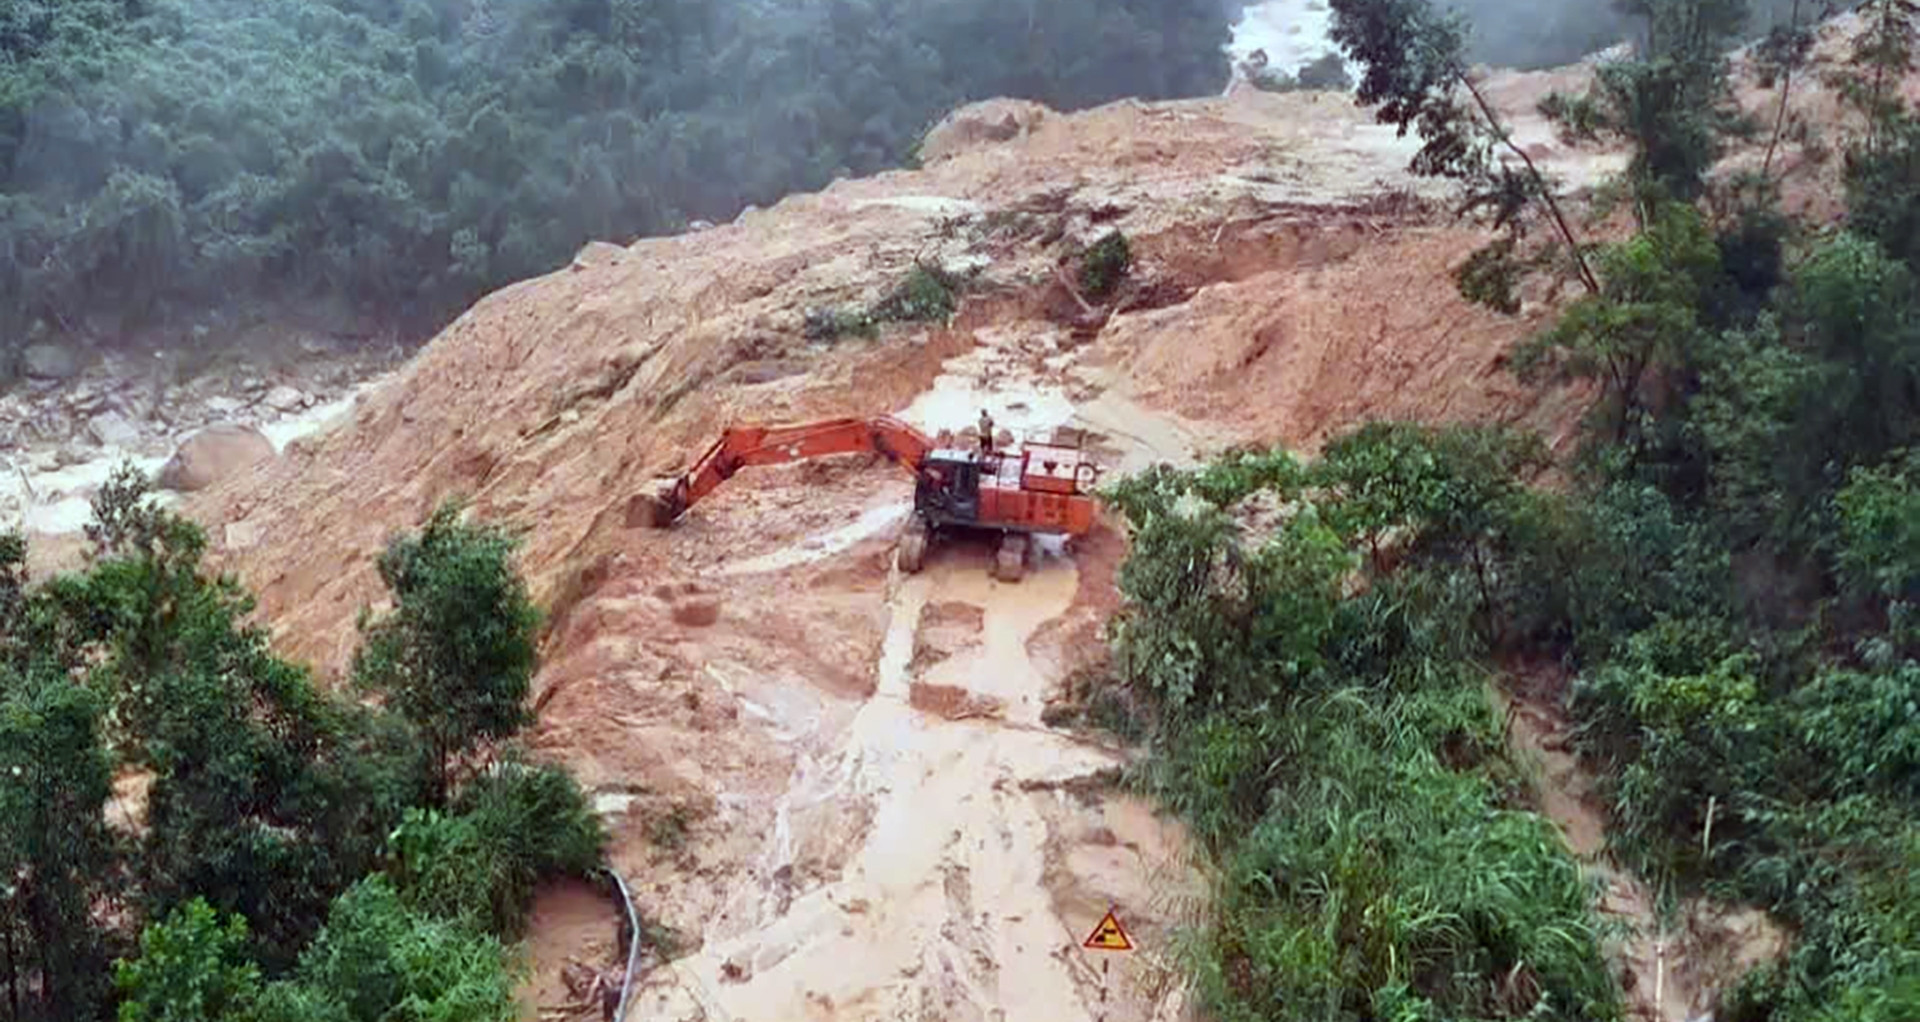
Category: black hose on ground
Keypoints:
(633, 943)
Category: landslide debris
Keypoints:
(739, 691)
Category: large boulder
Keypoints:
(214, 454)
(49, 362)
(975, 125)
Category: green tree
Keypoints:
(511, 828)
(382, 962)
(267, 798)
(55, 850)
(1414, 69)
(1641, 328)
(192, 968)
(1673, 103)
(1878, 555)
(456, 655)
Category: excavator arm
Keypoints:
(745, 445)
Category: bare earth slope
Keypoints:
(832, 782)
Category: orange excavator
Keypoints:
(1018, 491)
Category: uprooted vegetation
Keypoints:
(1105, 264)
(299, 855)
(927, 294)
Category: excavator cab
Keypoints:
(947, 491)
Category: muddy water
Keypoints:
(1291, 32)
(945, 910)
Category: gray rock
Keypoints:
(284, 399)
(112, 429)
(50, 362)
(213, 454)
(243, 535)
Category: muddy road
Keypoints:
(946, 909)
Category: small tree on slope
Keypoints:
(456, 655)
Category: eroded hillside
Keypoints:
(836, 784)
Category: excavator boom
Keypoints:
(741, 446)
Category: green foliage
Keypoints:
(1879, 512)
(512, 828)
(1491, 276)
(192, 968)
(456, 654)
(1644, 322)
(1673, 103)
(377, 960)
(927, 295)
(1381, 883)
(1883, 191)
(402, 157)
(1822, 383)
(1333, 744)
(1414, 71)
(55, 850)
(1105, 265)
(268, 799)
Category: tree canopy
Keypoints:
(300, 855)
(169, 161)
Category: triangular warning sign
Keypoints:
(1108, 936)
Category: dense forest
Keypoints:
(1721, 590)
(302, 856)
(166, 161)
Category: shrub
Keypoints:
(1105, 265)
(927, 295)
(510, 829)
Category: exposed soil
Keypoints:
(575, 935)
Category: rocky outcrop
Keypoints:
(980, 124)
(49, 362)
(214, 454)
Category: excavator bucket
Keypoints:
(659, 508)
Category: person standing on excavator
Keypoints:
(986, 432)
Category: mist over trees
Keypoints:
(1551, 33)
(161, 160)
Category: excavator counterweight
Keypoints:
(1017, 491)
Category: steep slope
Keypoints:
(834, 784)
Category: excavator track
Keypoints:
(1010, 563)
(912, 554)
